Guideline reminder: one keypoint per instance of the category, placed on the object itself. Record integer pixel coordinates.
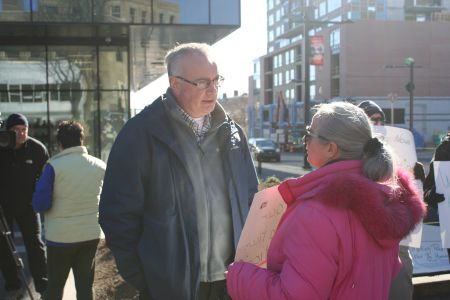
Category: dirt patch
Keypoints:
(108, 284)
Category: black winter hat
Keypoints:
(16, 119)
(371, 108)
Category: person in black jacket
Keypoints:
(442, 153)
(20, 168)
(178, 186)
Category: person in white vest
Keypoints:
(68, 192)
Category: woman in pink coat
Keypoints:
(339, 237)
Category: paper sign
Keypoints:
(265, 213)
(431, 257)
(401, 141)
(442, 181)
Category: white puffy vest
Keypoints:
(78, 183)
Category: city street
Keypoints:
(291, 165)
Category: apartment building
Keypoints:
(364, 46)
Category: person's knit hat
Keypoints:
(371, 108)
(16, 119)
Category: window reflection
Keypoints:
(225, 12)
(166, 12)
(15, 10)
(113, 68)
(71, 90)
(114, 11)
(63, 10)
(113, 115)
(132, 11)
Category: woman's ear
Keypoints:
(333, 151)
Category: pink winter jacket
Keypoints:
(338, 239)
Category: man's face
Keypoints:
(21, 134)
(192, 99)
(377, 119)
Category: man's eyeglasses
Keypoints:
(203, 84)
(309, 134)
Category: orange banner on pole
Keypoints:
(317, 50)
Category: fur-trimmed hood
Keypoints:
(388, 213)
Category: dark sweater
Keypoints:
(20, 169)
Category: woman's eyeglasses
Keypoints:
(309, 134)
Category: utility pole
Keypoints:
(306, 86)
(392, 97)
(410, 86)
(308, 22)
(409, 61)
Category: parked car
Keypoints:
(264, 149)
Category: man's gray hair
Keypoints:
(349, 127)
(175, 54)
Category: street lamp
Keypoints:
(392, 97)
(409, 61)
(410, 86)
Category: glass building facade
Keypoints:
(81, 59)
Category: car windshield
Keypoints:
(265, 143)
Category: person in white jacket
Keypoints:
(68, 194)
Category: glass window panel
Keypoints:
(181, 11)
(132, 11)
(15, 10)
(21, 68)
(113, 68)
(113, 115)
(71, 68)
(72, 77)
(63, 11)
(22, 74)
(82, 108)
(71, 30)
(225, 12)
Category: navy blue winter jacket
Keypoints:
(146, 206)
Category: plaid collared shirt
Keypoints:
(199, 132)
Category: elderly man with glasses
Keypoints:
(178, 186)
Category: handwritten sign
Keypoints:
(442, 180)
(265, 213)
(401, 141)
(431, 257)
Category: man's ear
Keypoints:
(173, 82)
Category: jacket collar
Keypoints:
(71, 150)
(160, 126)
(388, 212)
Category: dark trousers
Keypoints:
(30, 227)
(81, 259)
(216, 290)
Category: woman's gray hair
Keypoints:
(175, 54)
(349, 127)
